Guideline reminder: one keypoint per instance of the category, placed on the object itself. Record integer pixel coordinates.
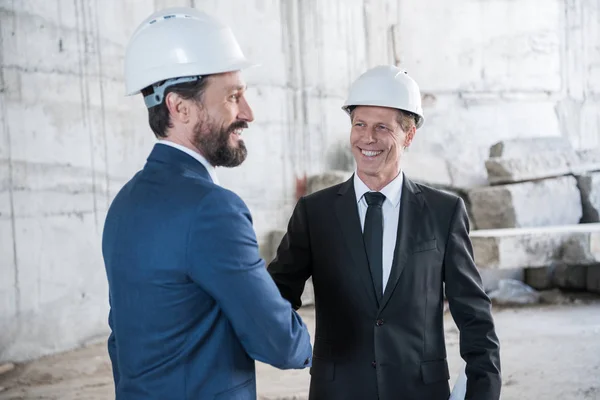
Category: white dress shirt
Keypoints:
(391, 213)
(211, 170)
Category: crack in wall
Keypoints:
(83, 49)
(6, 128)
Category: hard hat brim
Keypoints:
(189, 70)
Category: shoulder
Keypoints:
(218, 198)
(442, 203)
(438, 196)
(323, 194)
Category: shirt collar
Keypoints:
(392, 191)
(211, 170)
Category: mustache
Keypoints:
(237, 125)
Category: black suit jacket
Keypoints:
(393, 349)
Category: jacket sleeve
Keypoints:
(471, 309)
(223, 259)
(292, 265)
(112, 346)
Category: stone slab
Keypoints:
(570, 277)
(527, 204)
(518, 160)
(537, 247)
(593, 279)
(539, 278)
(538, 165)
(588, 161)
(525, 147)
(589, 188)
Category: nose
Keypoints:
(369, 135)
(245, 112)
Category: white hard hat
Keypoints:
(386, 86)
(182, 43)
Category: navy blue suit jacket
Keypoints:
(192, 304)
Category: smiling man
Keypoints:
(380, 249)
(192, 304)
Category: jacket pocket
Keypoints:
(434, 371)
(425, 245)
(323, 370)
(239, 392)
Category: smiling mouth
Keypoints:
(371, 153)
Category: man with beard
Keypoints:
(192, 304)
(381, 250)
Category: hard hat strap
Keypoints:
(157, 97)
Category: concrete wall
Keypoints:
(69, 139)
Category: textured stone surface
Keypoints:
(588, 161)
(537, 247)
(593, 279)
(539, 278)
(526, 147)
(589, 188)
(537, 165)
(547, 202)
(518, 160)
(570, 277)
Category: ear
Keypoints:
(410, 136)
(179, 108)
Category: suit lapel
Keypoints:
(409, 223)
(346, 211)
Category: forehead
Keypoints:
(372, 113)
(228, 81)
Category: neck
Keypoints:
(183, 142)
(378, 181)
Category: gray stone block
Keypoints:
(593, 279)
(569, 277)
(539, 278)
(537, 247)
(588, 161)
(589, 188)
(525, 147)
(527, 204)
(537, 165)
(572, 277)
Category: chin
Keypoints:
(368, 171)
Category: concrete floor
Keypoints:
(548, 352)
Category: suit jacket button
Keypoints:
(379, 322)
(374, 364)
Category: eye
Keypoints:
(382, 127)
(360, 124)
(234, 97)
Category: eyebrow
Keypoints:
(375, 123)
(237, 87)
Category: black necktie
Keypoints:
(373, 237)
